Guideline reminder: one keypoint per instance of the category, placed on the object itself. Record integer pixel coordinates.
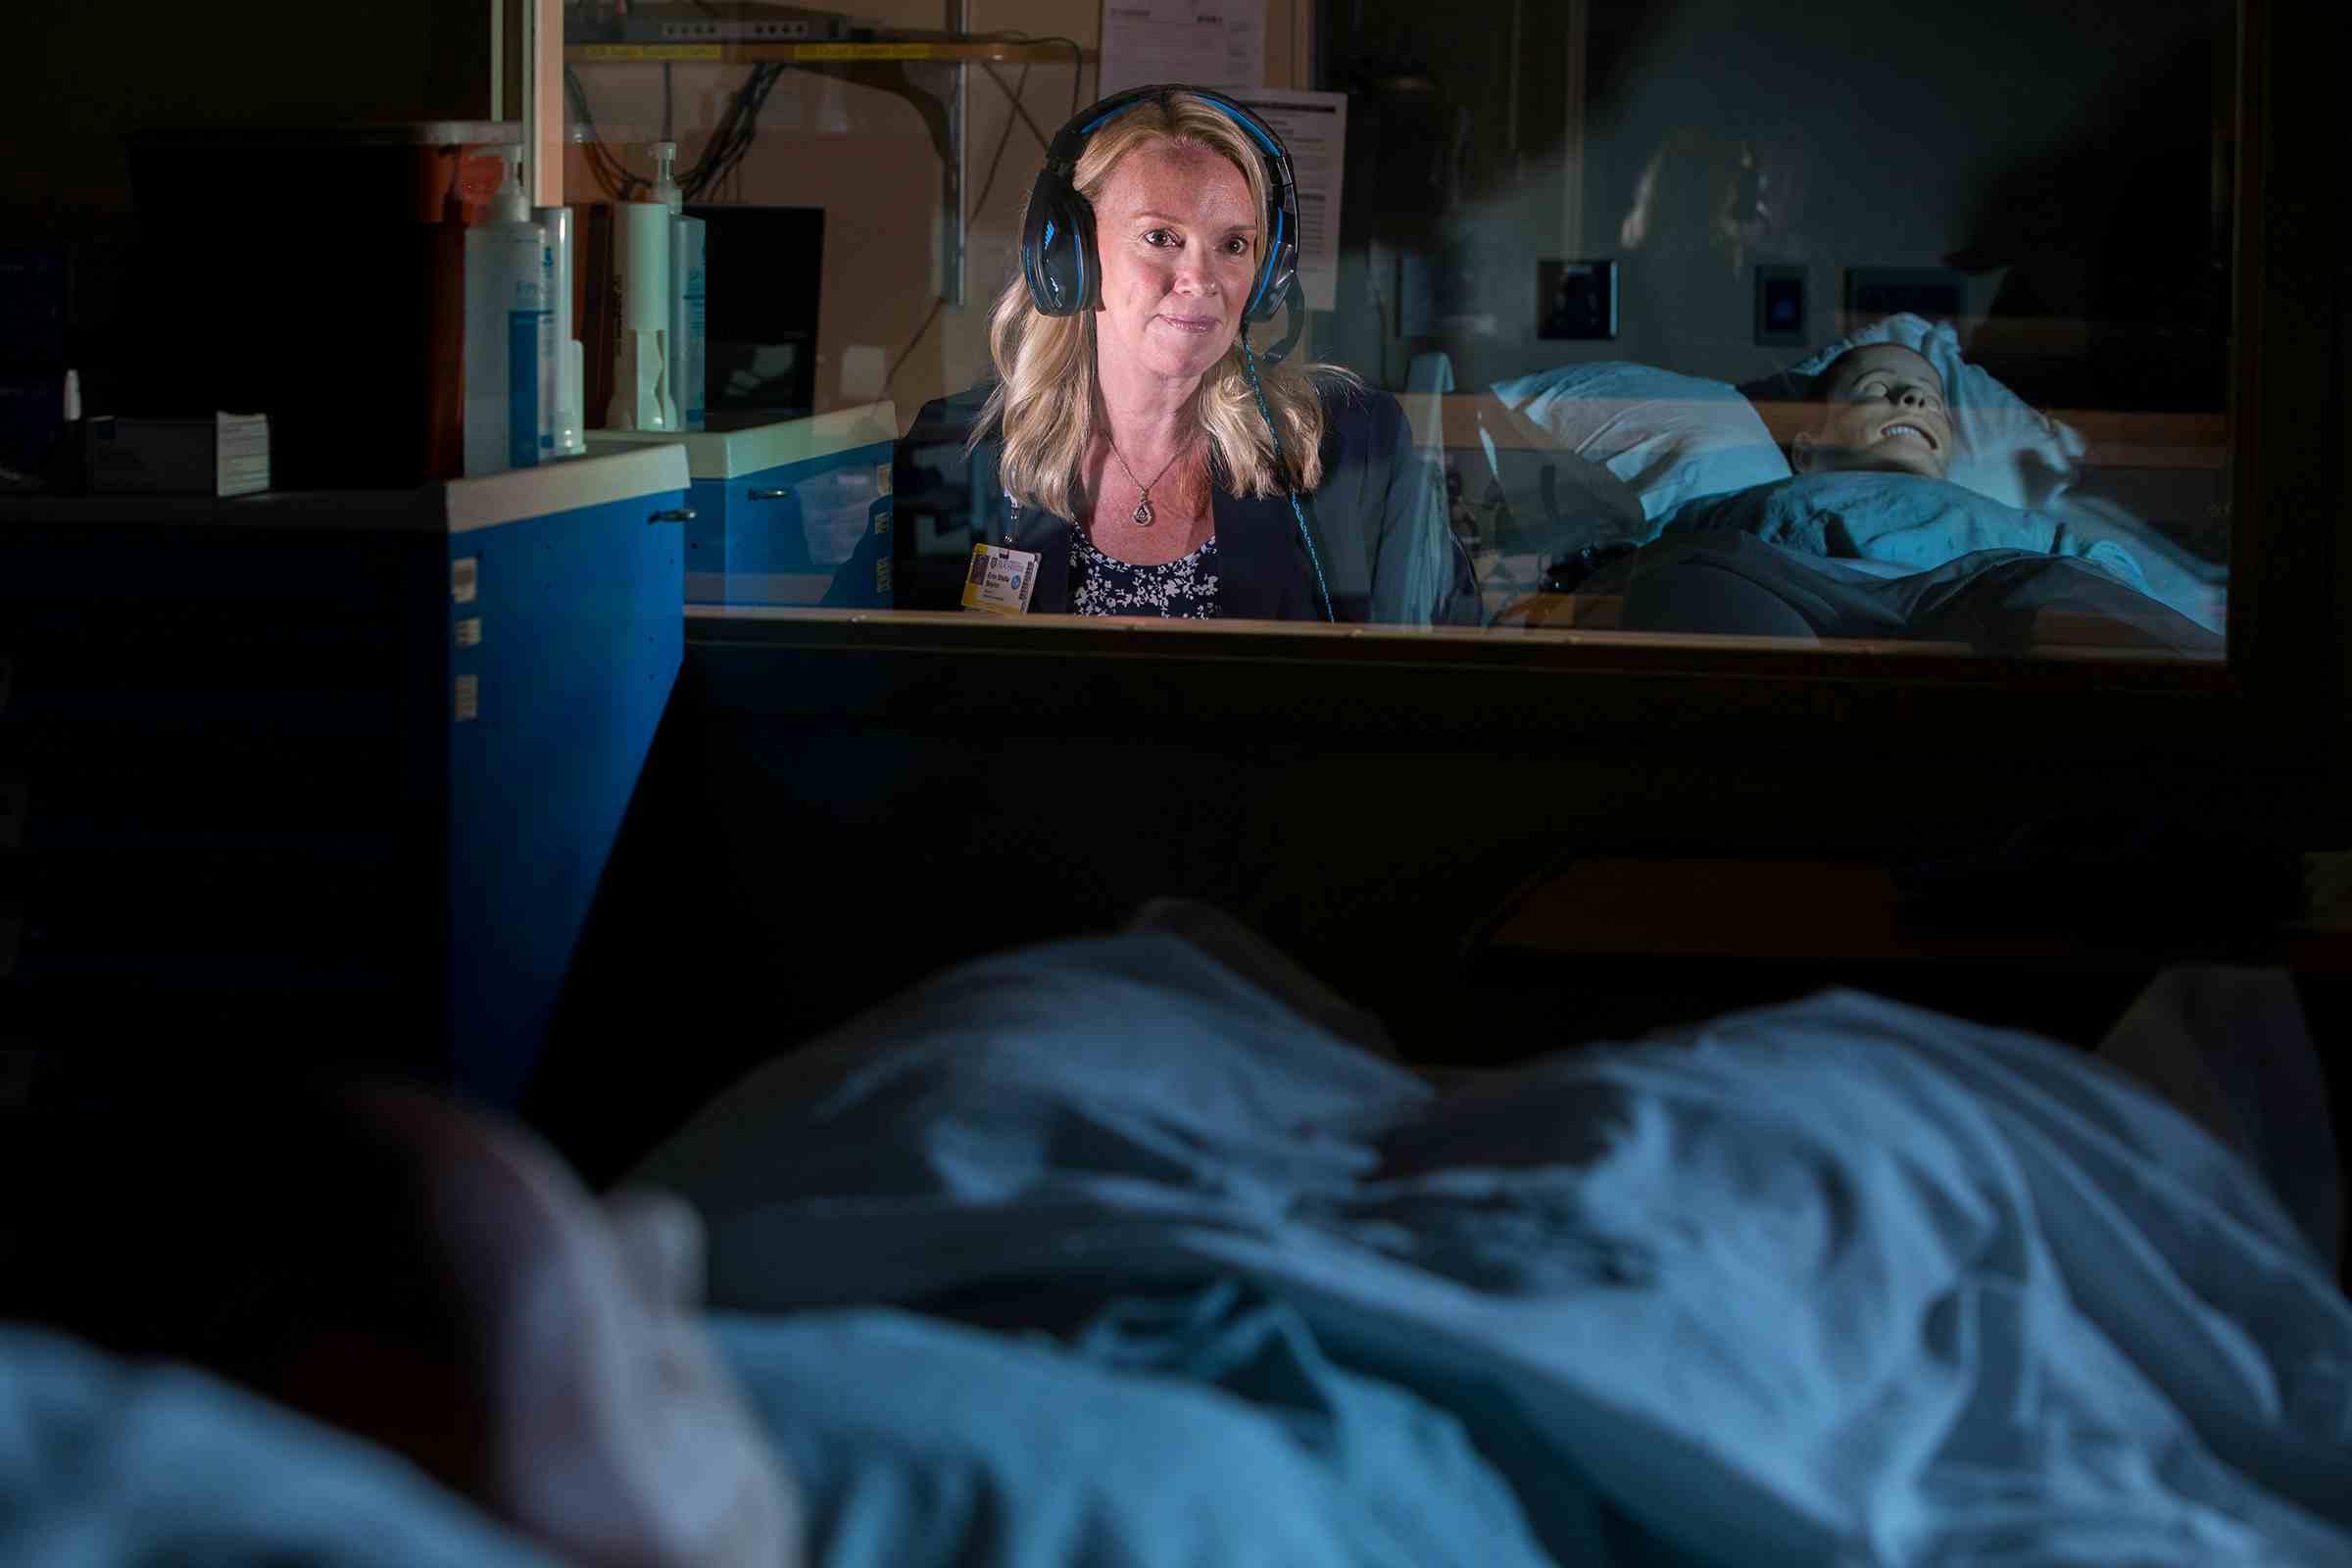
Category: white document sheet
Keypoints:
(1144, 42)
(1313, 125)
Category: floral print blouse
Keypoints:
(1180, 590)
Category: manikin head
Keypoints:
(1881, 409)
(435, 1279)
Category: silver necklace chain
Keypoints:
(1141, 517)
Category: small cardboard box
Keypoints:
(226, 454)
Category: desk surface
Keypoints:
(443, 505)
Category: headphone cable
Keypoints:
(1249, 364)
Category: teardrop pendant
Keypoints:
(1142, 515)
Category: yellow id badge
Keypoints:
(1002, 579)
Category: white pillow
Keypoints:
(1671, 439)
(2005, 448)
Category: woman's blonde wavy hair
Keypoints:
(1045, 406)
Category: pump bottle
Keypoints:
(510, 375)
(645, 356)
(685, 297)
(687, 318)
(674, 395)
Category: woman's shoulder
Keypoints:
(953, 416)
(1355, 413)
(1342, 391)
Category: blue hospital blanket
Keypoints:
(1898, 518)
(1833, 1282)
(1202, 1426)
(1909, 524)
(1173, 1275)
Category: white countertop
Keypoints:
(731, 454)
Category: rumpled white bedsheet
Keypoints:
(1834, 1282)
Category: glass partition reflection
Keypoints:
(1885, 322)
(1826, 324)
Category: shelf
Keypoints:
(806, 53)
(883, 65)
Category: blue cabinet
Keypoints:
(779, 507)
(330, 777)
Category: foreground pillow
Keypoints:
(1671, 439)
(2005, 448)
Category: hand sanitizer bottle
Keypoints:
(511, 386)
(674, 401)
(645, 354)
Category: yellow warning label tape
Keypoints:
(649, 51)
(605, 52)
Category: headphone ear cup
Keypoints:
(1057, 249)
(1281, 267)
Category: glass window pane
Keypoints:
(1825, 324)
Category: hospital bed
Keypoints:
(1557, 473)
(1835, 1281)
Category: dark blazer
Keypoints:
(1379, 521)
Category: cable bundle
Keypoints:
(733, 137)
(610, 173)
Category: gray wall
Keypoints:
(2062, 152)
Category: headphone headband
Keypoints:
(1058, 241)
(1087, 120)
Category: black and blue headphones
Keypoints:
(1058, 258)
(1065, 271)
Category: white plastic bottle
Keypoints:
(689, 319)
(568, 440)
(668, 195)
(645, 358)
(511, 387)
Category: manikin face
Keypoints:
(1884, 411)
(611, 1431)
(1178, 237)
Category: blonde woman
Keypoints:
(1134, 456)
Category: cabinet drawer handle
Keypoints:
(771, 495)
(675, 514)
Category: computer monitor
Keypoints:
(762, 269)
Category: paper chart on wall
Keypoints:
(1144, 42)
(1314, 127)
